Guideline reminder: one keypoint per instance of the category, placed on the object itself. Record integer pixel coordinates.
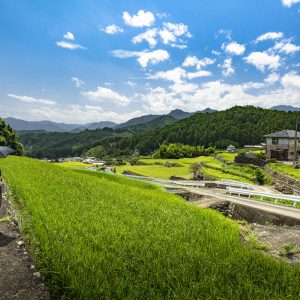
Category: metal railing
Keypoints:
(234, 183)
(250, 193)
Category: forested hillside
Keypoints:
(237, 125)
(64, 144)
(61, 144)
(8, 138)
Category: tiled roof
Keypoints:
(284, 134)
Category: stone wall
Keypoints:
(285, 183)
(250, 160)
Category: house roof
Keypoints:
(284, 134)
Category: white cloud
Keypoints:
(178, 46)
(272, 78)
(68, 45)
(286, 47)
(263, 60)
(112, 29)
(174, 75)
(226, 32)
(227, 67)
(141, 19)
(102, 94)
(178, 75)
(78, 82)
(269, 36)
(183, 87)
(193, 61)
(234, 48)
(29, 99)
(202, 73)
(69, 36)
(80, 114)
(148, 36)
(214, 52)
(170, 33)
(130, 83)
(291, 80)
(144, 58)
(162, 15)
(289, 3)
(178, 29)
(167, 36)
(219, 95)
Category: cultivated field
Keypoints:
(98, 236)
(160, 168)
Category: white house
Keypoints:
(281, 145)
(230, 149)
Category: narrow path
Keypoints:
(18, 277)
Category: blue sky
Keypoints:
(85, 61)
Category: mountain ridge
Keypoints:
(50, 126)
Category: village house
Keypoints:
(281, 145)
(230, 149)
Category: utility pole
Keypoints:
(295, 145)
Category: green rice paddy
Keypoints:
(99, 236)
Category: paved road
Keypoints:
(266, 206)
(221, 195)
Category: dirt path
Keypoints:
(18, 277)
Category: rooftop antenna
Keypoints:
(295, 145)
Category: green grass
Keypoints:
(155, 168)
(106, 237)
(278, 201)
(229, 157)
(221, 175)
(157, 171)
(73, 164)
(286, 170)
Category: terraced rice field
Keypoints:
(99, 236)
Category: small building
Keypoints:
(230, 149)
(281, 145)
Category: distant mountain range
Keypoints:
(21, 125)
(286, 108)
(18, 124)
(174, 115)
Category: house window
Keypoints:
(292, 153)
(275, 141)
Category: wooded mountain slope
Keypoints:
(237, 125)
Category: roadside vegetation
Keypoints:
(99, 236)
(287, 170)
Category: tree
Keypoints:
(8, 138)
(260, 177)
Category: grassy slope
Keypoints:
(286, 170)
(99, 237)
